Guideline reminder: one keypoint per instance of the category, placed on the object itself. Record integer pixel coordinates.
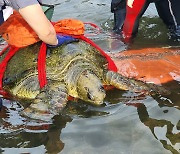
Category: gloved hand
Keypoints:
(63, 39)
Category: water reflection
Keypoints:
(163, 120)
(160, 118)
(127, 123)
(163, 130)
(31, 134)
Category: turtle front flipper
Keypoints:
(48, 103)
(125, 83)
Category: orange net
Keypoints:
(17, 32)
(69, 26)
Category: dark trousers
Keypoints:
(168, 10)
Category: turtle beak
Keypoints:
(98, 103)
(97, 100)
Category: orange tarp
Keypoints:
(158, 65)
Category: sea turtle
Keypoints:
(76, 69)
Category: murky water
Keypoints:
(128, 123)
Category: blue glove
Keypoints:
(63, 39)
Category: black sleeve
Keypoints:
(1, 17)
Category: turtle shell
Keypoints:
(63, 64)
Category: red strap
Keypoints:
(133, 14)
(42, 65)
(1, 52)
(42, 62)
(98, 30)
(111, 64)
(3, 66)
(92, 24)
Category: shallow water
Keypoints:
(128, 123)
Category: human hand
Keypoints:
(63, 39)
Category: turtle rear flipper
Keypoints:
(48, 103)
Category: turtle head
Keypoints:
(90, 88)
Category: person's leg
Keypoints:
(0, 103)
(134, 11)
(169, 12)
(118, 7)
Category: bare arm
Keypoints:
(36, 18)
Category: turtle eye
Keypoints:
(89, 96)
(101, 88)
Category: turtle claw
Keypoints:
(38, 115)
(42, 110)
(48, 103)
